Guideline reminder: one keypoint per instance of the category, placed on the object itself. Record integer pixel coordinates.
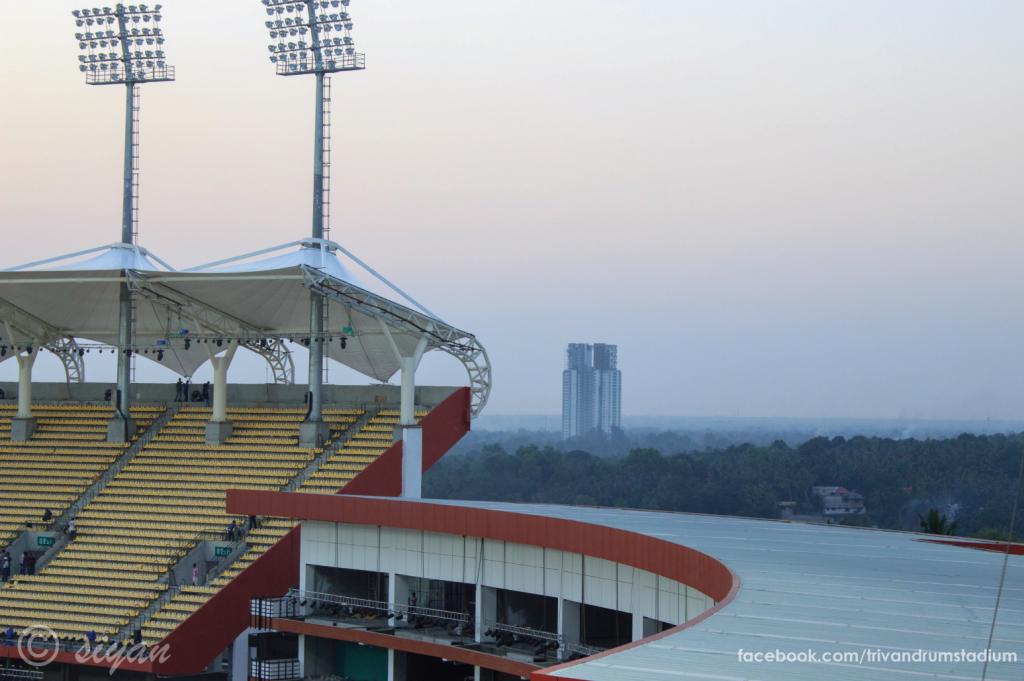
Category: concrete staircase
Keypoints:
(58, 526)
(330, 451)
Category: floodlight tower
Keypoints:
(123, 45)
(314, 37)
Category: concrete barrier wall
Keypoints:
(239, 394)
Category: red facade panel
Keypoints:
(216, 624)
(442, 428)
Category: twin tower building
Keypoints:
(591, 389)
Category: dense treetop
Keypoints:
(971, 479)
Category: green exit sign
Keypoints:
(44, 541)
(222, 551)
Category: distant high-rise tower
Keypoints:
(591, 389)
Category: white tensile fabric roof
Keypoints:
(242, 298)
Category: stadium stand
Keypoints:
(66, 455)
(348, 460)
(167, 499)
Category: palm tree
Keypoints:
(937, 523)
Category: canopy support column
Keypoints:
(122, 426)
(313, 431)
(219, 428)
(23, 425)
(412, 433)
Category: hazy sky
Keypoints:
(775, 208)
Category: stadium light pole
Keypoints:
(123, 45)
(314, 37)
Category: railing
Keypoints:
(21, 675)
(348, 62)
(300, 604)
(581, 650)
(275, 670)
(341, 441)
(227, 561)
(147, 74)
(523, 632)
(138, 651)
(128, 631)
(185, 546)
(510, 634)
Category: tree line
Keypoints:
(970, 480)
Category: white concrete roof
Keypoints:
(820, 588)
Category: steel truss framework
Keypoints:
(70, 356)
(33, 329)
(36, 331)
(459, 344)
(183, 309)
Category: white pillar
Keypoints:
(560, 628)
(488, 607)
(240, 657)
(638, 624)
(412, 436)
(25, 363)
(220, 384)
(407, 413)
(478, 615)
(392, 597)
(412, 462)
(23, 425)
(568, 622)
(219, 429)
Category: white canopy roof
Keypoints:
(184, 316)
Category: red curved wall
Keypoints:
(661, 557)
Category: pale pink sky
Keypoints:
(799, 208)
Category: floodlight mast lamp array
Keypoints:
(314, 37)
(123, 45)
